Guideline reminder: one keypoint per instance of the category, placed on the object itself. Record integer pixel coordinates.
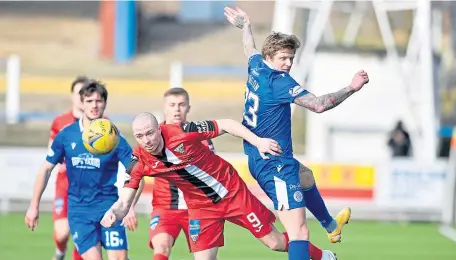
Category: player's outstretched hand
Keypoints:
(266, 145)
(236, 17)
(359, 80)
(109, 219)
(31, 218)
(130, 221)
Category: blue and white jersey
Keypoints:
(267, 111)
(91, 177)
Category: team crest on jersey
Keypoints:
(195, 229)
(73, 145)
(298, 196)
(85, 161)
(180, 149)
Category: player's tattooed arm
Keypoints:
(241, 20)
(325, 102)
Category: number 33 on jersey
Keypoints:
(268, 96)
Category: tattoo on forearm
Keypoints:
(248, 41)
(325, 102)
(239, 21)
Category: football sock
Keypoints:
(316, 205)
(60, 248)
(160, 257)
(76, 255)
(59, 255)
(315, 252)
(298, 250)
(285, 234)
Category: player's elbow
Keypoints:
(225, 125)
(319, 109)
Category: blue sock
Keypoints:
(316, 205)
(298, 250)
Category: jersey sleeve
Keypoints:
(202, 130)
(135, 172)
(56, 152)
(124, 151)
(286, 89)
(254, 60)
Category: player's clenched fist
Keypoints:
(31, 218)
(359, 80)
(109, 219)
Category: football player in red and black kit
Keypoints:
(59, 211)
(213, 190)
(169, 211)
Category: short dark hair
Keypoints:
(177, 92)
(92, 86)
(78, 80)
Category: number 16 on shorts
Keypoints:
(114, 238)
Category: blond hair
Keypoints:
(278, 41)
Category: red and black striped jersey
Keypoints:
(204, 177)
(166, 195)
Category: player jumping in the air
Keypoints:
(213, 190)
(170, 215)
(267, 113)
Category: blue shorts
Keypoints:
(87, 232)
(279, 179)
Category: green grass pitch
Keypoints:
(362, 240)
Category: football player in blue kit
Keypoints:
(267, 113)
(91, 179)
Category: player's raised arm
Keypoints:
(241, 20)
(326, 102)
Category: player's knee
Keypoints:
(306, 176)
(275, 241)
(300, 233)
(303, 232)
(61, 232)
(162, 248)
(276, 245)
(118, 255)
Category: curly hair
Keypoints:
(278, 41)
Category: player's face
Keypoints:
(176, 109)
(148, 137)
(75, 98)
(282, 60)
(94, 106)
